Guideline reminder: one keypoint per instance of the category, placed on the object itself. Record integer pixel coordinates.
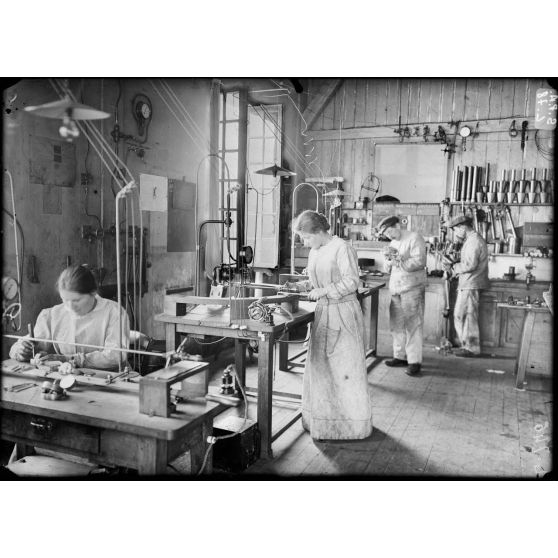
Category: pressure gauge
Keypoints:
(9, 288)
(465, 132)
(143, 110)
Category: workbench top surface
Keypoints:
(495, 283)
(529, 307)
(114, 406)
(202, 315)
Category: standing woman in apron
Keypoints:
(336, 402)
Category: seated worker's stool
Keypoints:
(47, 466)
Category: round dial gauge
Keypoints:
(465, 131)
(144, 110)
(9, 288)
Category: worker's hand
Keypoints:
(22, 350)
(289, 286)
(387, 252)
(39, 357)
(315, 294)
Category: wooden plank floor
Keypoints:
(455, 420)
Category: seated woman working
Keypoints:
(83, 317)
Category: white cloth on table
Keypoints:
(98, 327)
(336, 401)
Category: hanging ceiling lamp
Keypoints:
(68, 111)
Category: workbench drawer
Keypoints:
(49, 432)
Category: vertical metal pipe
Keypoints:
(474, 184)
(293, 203)
(455, 176)
(241, 194)
(118, 285)
(198, 251)
(121, 193)
(464, 184)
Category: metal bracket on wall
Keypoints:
(32, 270)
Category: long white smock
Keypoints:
(336, 401)
(472, 272)
(98, 327)
(407, 285)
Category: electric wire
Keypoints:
(215, 439)
(286, 141)
(178, 120)
(137, 326)
(277, 132)
(59, 87)
(87, 171)
(545, 153)
(172, 94)
(115, 159)
(20, 229)
(303, 132)
(19, 268)
(105, 149)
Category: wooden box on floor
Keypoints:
(237, 453)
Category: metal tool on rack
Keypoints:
(513, 241)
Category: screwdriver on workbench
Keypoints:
(32, 335)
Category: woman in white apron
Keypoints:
(83, 317)
(336, 402)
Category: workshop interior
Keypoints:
(180, 200)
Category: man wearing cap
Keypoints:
(405, 261)
(472, 272)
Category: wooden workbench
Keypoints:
(203, 321)
(529, 313)
(104, 425)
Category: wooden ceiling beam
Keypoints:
(320, 101)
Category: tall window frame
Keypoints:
(261, 148)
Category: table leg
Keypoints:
(240, 360)
(265, 392)
(365, 307)
(170, 336)
(374, 305)
(284, 353)
(152, 457)
(524, 346)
